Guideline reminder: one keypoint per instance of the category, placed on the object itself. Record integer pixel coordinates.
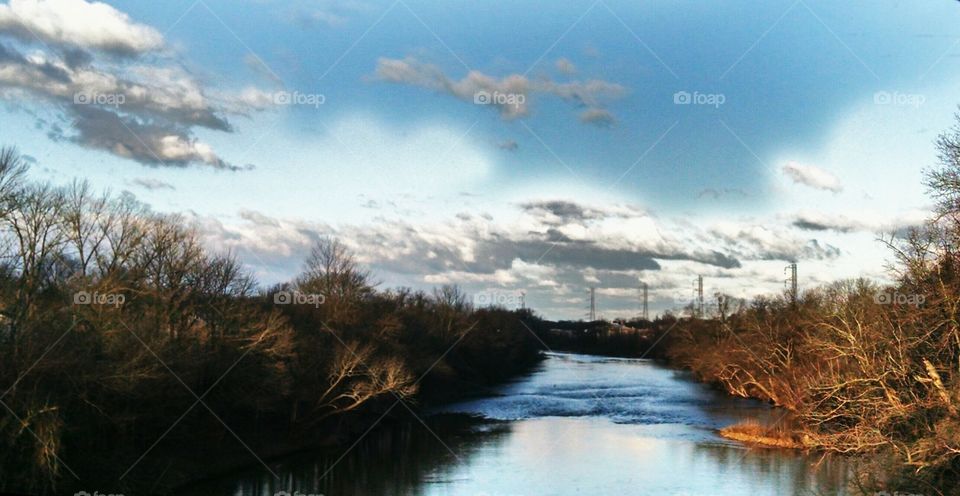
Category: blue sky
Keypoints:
(811, 127)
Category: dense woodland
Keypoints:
(132, 359)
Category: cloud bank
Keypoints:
(82, 59)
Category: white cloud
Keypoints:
(768, 241)
(326, 13)
(813, 220)
(515, 90)
(612, 247)
(811, 176)
(89, 25)
(157, 143)
(151, 184)
(143, 111)
(177, 149)
(597, 117)
(565, 66)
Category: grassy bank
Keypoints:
(762, 435)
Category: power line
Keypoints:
(699, 309)
(792, 282)
(644, 313)
(593, 304)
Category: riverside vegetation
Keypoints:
(865, 370)
(121, 338)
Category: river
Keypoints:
(577, 425)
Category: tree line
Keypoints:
(132, 358)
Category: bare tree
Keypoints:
(125, 226)
(331, 270)
(451, 304)
(12, 172)
(944, 181)
(38, 235)
(357, 377)
(169, 258)
(84, 216)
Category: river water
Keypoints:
(578, 425)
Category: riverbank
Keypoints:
(859, 379)
(828, 361)
(154, 362)
(339, 436)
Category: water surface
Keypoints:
(578, 425)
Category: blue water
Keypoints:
(578, 425)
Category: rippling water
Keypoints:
(625, 391)
(578, 425)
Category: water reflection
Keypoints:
(578, 425)
(397, 459)
(788, 472)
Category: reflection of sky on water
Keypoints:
(561, 456)
(578, 425)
